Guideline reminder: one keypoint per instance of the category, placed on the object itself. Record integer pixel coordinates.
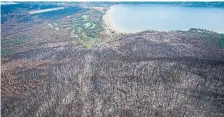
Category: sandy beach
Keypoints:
(109, 23)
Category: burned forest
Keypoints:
(65, 59)
(146, 74)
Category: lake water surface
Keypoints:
(139, 17)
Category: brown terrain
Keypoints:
(145, 74)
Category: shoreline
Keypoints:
(109, 24)
(111, 28)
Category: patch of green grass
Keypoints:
(79, 29)
(86, 17)
(87, 43)
(84, 36)
(88, 24)
(93, 25)
(50, 25)
(73, 33)
(55, 24)
(87, 27)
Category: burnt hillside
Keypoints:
(156, 74)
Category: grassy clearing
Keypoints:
(50, 25)
(79, 29)
(86, 26)
(73, 33)
(93, 25)
(54, 26)
(88, 43)
(86, 17)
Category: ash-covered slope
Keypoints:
(151, 73)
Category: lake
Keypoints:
(139, 17)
